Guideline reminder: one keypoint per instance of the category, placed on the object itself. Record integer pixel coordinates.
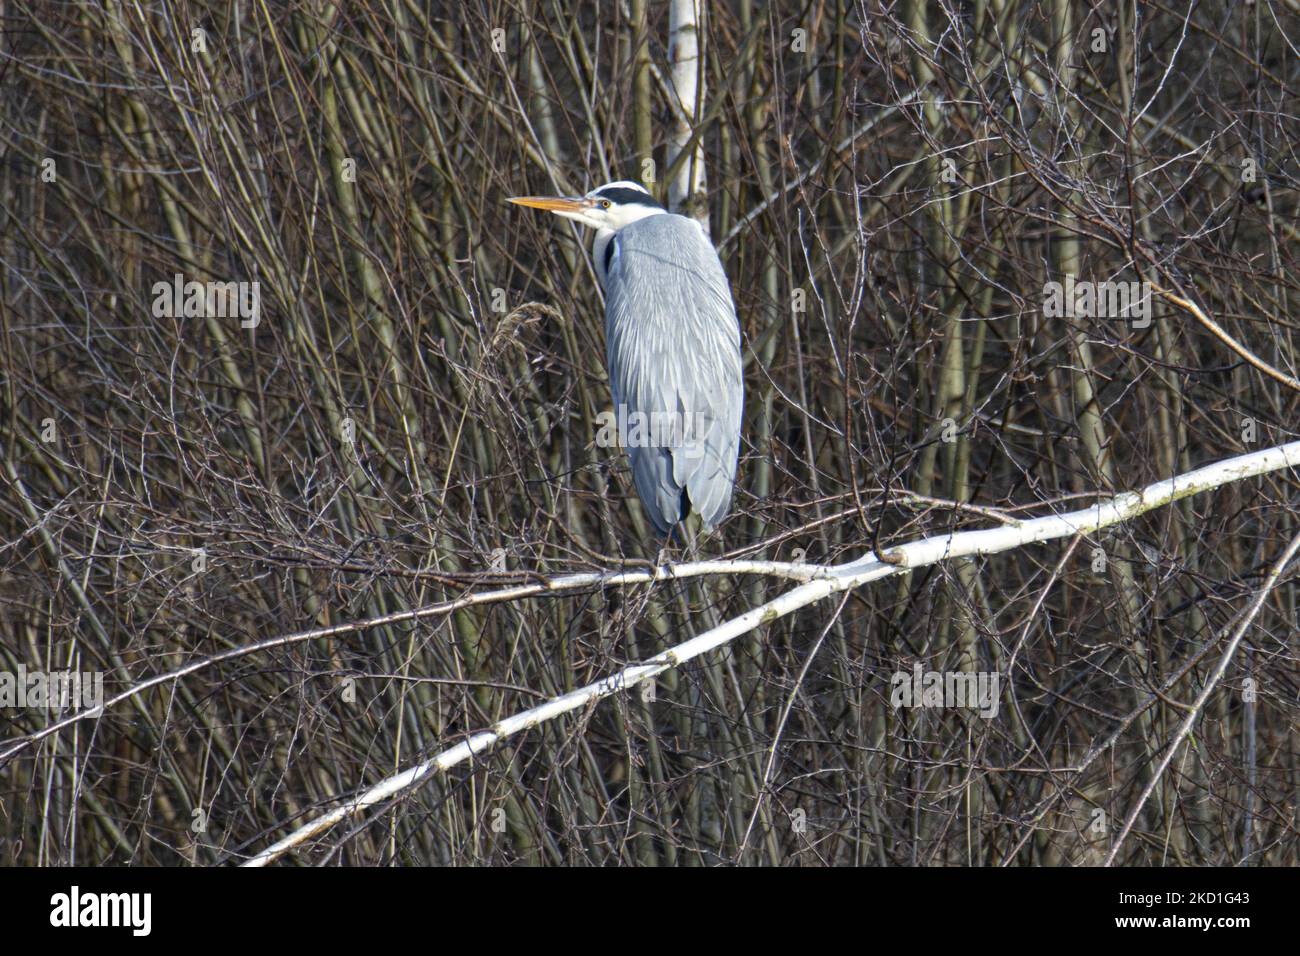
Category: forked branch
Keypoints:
(823, 581)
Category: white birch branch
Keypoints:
(546, 587)
(685, 18)
(823, 581)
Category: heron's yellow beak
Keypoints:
(550, 203)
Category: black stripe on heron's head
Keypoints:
(628, 197)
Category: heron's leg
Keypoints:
(685, 534)
(692, 534)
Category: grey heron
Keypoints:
(672, 346)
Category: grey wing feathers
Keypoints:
(673, 347)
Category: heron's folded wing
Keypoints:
(673, 348)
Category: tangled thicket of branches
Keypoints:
(412, 418)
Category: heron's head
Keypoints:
(611, 206)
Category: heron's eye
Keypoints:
(605, 204)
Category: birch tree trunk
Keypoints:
(686, 187)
